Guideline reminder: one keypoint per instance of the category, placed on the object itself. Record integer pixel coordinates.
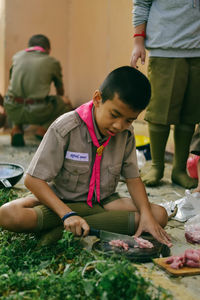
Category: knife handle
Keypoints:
(94, 231)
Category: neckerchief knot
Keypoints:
(100, 150)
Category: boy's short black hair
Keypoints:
(132, 87)
(39, 40)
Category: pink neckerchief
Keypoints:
(35, 48)
(85, 113)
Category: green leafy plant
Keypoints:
(66, 271)
(6, 195)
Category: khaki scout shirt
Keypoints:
(65, 159)
(32, 73)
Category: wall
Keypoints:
(25, 18)
(89, 37)
(100, 40)
(2, 45)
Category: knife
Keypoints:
(108, 236)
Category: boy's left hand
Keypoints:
(149, 224)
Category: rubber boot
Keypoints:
(158, 138)
(182, 138)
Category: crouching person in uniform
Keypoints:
(27, 100)
(74, 173)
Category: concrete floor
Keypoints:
(181, 287)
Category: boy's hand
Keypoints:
(149, 224)
(77, 225)
(138, 52)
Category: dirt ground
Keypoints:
(181, 287)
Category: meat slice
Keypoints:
(190, 258)
(142, 243)
(192, 254)
(170, 260)
(120, 244)
(192, 264)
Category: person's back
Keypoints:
(27, 100)
(32, 74)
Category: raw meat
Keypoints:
(190, 258)
(142, 243)
(119, 243)
(176, 262)
(192, 234)
(192, 254)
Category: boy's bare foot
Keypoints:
(153, 177)
(181, 178)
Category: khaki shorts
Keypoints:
(97, 216)
(175, 91)
(43, 113)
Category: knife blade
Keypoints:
(108, 236)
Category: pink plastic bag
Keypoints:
(192, 166)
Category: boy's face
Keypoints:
(112, 116)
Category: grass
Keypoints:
(66, 270)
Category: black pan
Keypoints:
(10, 174)
(134, 254)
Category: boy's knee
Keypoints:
(9, 214)
(160, 214)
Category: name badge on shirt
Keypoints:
(77, 156)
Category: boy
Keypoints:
(27, 100)
(88, 149)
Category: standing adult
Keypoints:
(27, 100)
(170, 30)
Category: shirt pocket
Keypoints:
(75, 176)
(113, 177)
